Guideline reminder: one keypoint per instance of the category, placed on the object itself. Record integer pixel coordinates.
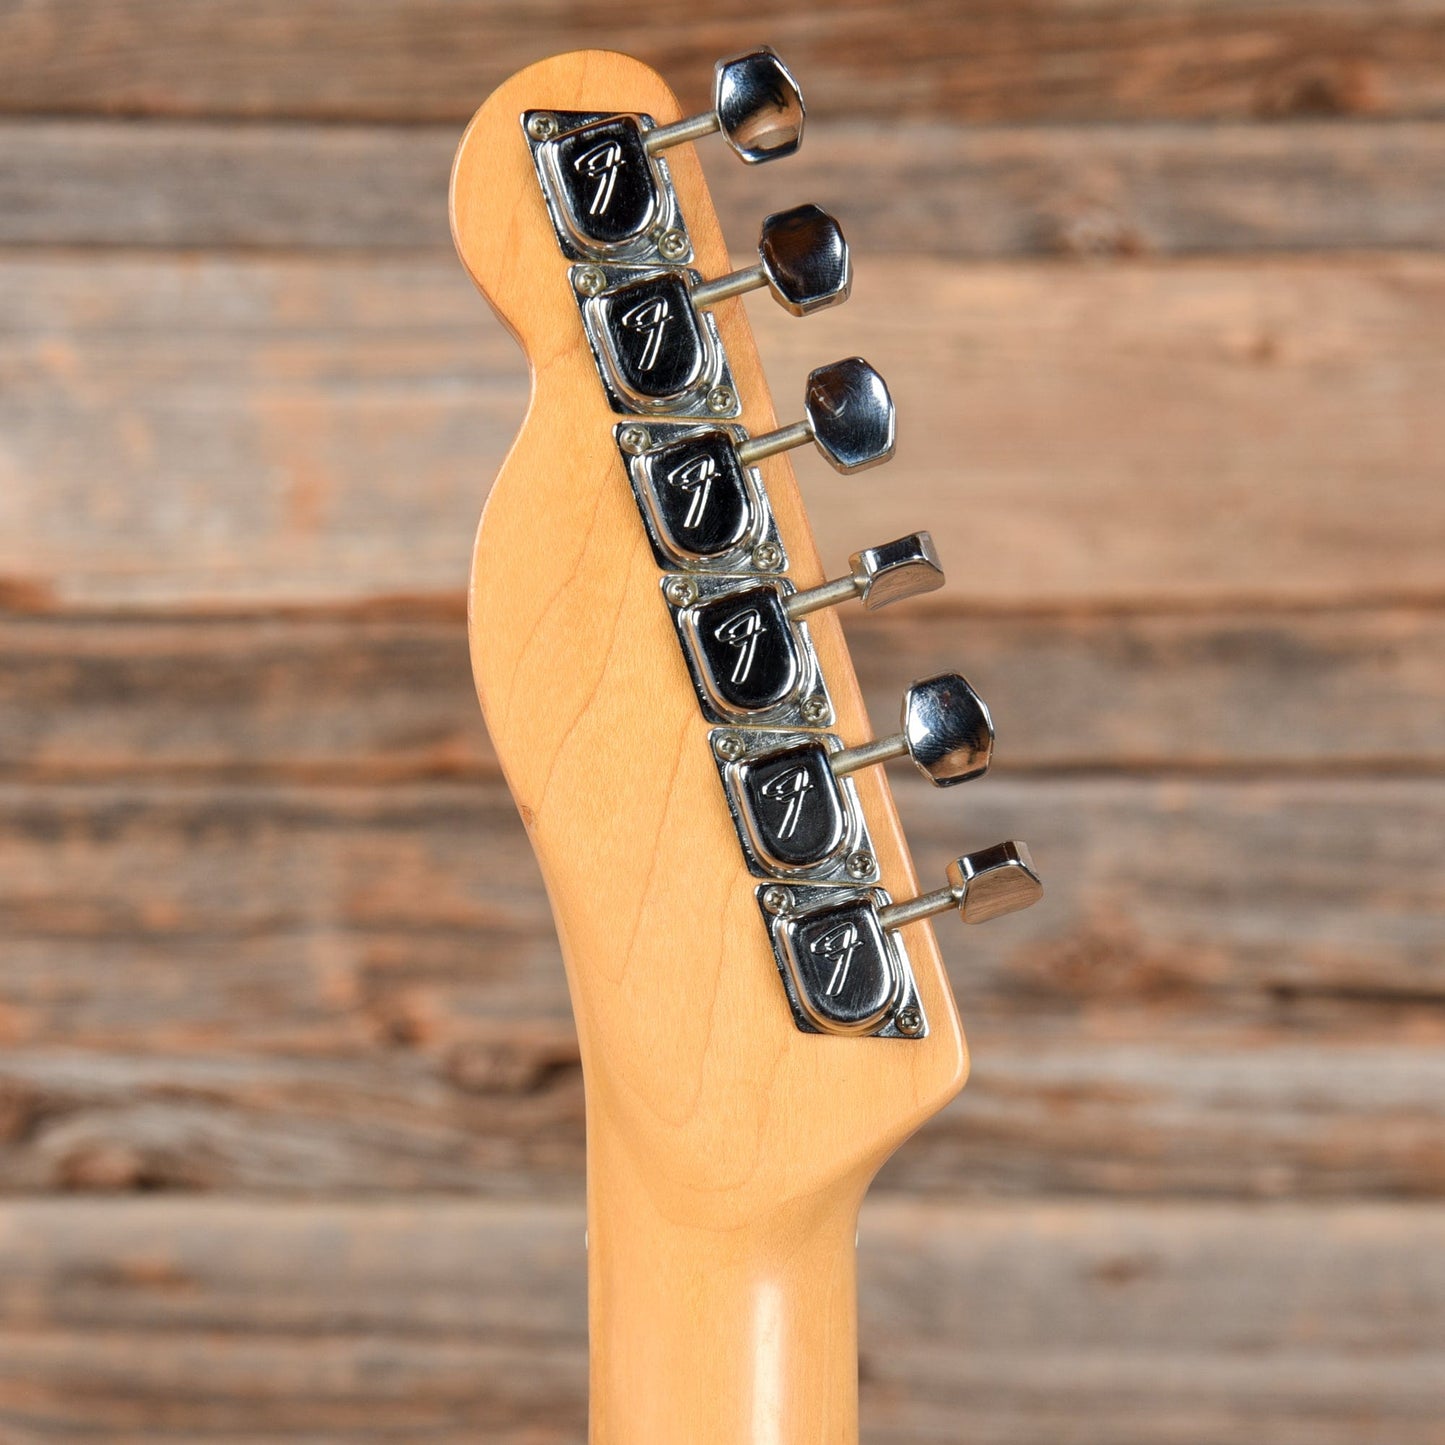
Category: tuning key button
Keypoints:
(848, 415)
(756, 105)
(803, 260)
(879, 577)
(946, 730)
(982, 885)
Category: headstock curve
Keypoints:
(690, 1053)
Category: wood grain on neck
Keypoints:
(728, 1152)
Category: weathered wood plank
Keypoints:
(387, 695)
(429, 59)
(933, 188)
(244, 1322)
(182, 431)
(1229, 989)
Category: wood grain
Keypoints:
(381, 693)
(721, 1271)
(934, 186)
(203, 431)
(271, 941)
(290, 990)
(415, 60)
(231, 1322)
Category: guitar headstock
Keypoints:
(762, 1009)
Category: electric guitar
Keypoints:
(761, 1006)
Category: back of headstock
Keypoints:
(660, 662)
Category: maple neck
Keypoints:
(745, 1335)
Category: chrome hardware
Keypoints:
(880, 576)
(794, 816)
(702, 508)
(983, 885)
(843, 970)
(848, 414)
(946, 730)
(750, 662)
(802, 259)
(608, 196)
(756, 105)
(651, 330)
(656, 352)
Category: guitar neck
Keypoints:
(744, 1336)
(761, 1006)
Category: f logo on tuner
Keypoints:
(648, 318)
(600, 164)
(838, 946)
(741, 631)
(789, 789)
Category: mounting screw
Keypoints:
(634, 440)
(777, 900)
(672, 245)
(542, 126)
(721, 400)
(767, 556)
(908, 1020)
(728, 747)
(815, 711)
(860, 864)
(588, 280)
(681, 591)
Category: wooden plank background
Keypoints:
(290, 1116)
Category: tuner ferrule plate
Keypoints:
(795, 819)
(608, 199)
(843, 972)
(658, 355)
(750, 663)
(704, 511)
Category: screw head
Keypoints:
(681, 591)
(908, 1020)
(861, 864)
(815, 710)
(722, 400)
(588, 280)
(776, 899)
(672, 245)
(728, 747)
(767, 556)
(542, 126)
(633, 439)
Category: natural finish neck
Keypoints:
(741, 1335)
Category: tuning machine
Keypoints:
(652, 331)
(747, 643)
(705, 506)
(843, 962)
(792, 795)
(604, 176)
